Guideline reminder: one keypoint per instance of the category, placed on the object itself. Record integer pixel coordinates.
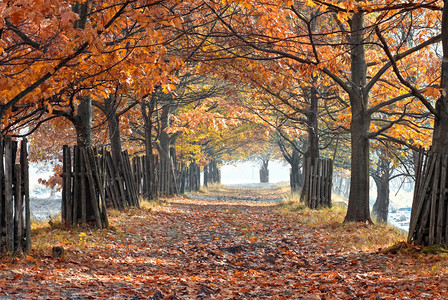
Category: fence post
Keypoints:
(83, 175)
(2, 190)
(8, 195)
(18, 209)
(26, 192)
(15, 227)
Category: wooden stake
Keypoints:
(415, 217)
(18, 210)
(26, 193)
(9, 195)
(93, 196)
(433, 211)
(83, 175)
(441, 211)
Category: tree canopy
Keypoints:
(211, 79)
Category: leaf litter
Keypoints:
(186, 248)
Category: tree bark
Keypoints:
(113, 124)
(84, 125)
(213, 172)
(313, 127)
(206, 175)
(164, 138)
(358, 204)
(429, 219)
(264, 170)
(440, 135)
(382, 180)
(150, 190)
(313, 140)
(296, 175)
(164, 145)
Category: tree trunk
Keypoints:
(213, 172)
(164, 138)
(313, 127)
(358, 203)
(429, 216)
(206, 175)
(164, 146)
(382, 180)
(84, 125)
(264, 170)
(113, 124)
(312, 152)
(440, 135)
(296, 176)
(150, 188)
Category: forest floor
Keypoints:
(218, 247)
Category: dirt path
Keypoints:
(211, 249)
(261, 192)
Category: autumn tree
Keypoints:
(429, 218)
(218, 130)
(337, 39)
(265, 154)
(158, 127)
(108, 37)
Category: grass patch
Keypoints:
(337, 199)
(291, 203)
(213, 188)
(329, 230)
(284, 189)
(366, 237)
(153, 205)
(346, 237)
(46, 235)
(83, 238)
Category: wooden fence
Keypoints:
(167, 179)
(295, 180)
(212, 174)
(168, 183)
(190, 177)
(92, 182)
(429, 215)
(15, 226)
(83, 186)
(160, 181)
(317, 183)
(120, 185)
(141, 174)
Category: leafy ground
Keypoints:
(212, 249)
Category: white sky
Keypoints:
(248, 172)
